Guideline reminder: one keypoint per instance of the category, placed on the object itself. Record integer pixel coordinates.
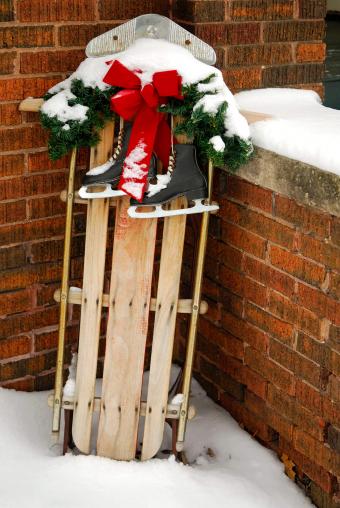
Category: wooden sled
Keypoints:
(129, 302)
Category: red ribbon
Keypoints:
(150, 131)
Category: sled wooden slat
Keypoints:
(164, 330)
(184, 305)
(91, 303)
(129, 301)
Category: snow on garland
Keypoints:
(76, 109)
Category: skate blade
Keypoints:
(85, 192)
(199, 207)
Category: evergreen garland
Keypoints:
(78, 134)
(197, 124)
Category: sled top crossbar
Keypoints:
(152, 26)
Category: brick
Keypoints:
(26, 36)
(34, 230)
(243, 33)
(13, 211)
(249, 421)
(287, 310)
(7, 62)
(280, 424)
(219, 337)
(49, 339)
(259, 10)
(334, 285)
(298, 266)
(308, 397)
(255, 404)
(7, 10)
(334, 362)
(255, 383)
(335, 231)
(306, 218)
(321, 252)
(334, 337)
(302, 367)
(241, 78)
(243, 240)
(32, 185)
(11, 165)
(333, 438)
(310, 52)
(243, 330)
(249, 194)
(265, 54)
(269, 276)
(330, 411)
(20, 88)
(229, 256)
(119, 9)
(312, 8)
(45, 207)
(319, 303)
(210, 289)
(23, 323)
(199, 12)
(316, 351)
(334, 388)
(284, 31)
(211, 33)
(63, 10)
(12, 257)
(80, 35)
(28, 366)
(270, 370)
(315, 450)
(40, 161)
(22, 137)
(45, 251)
(25, 385)
(15, 346)
(242, 286)
(16, 301)
(263, 226)
(231, 302)
(292, 74)
(10, 114)
(50, 61)
(22, 277)
(270, 324)
(313, 471)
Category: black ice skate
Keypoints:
(107, 175)
(184, 178)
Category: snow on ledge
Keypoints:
(302, 128)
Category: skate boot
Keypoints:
(183, 178)
(108, 174)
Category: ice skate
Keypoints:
(107, 175)
(183, 178)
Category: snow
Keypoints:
(58, 106)
(229, 468)
(70, 385)
(162, 56)
(132, 164)
(99, 170)
(218, 143)
(302, 128)
(162, 183)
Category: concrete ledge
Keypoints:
(304, 183)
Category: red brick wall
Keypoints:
(261, 43)
(268, 348)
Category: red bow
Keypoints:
(150, 131)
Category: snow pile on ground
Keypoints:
(302, 128)
(242, 474)
(161, 56)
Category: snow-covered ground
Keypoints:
(302, 128)
(242, 474)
